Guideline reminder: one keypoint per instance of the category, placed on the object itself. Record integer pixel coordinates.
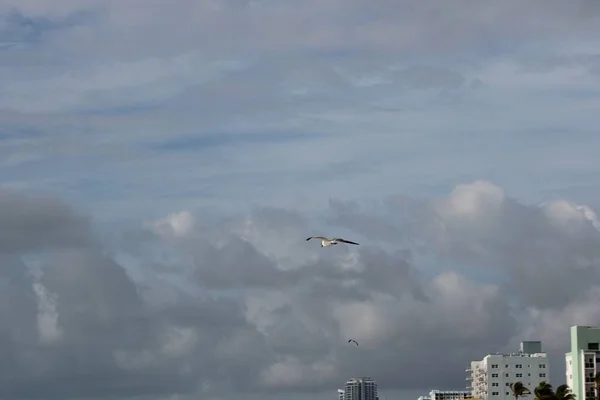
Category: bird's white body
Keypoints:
(327, 243)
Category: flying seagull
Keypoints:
(352, 340)
(325, 242)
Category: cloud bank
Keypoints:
(191, 307)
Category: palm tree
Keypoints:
(544, 391)
(518, 390)
(563, 392)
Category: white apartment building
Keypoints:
(340, 394)
(449, 394)
(583, 361)
(360, 389)
(491, 377)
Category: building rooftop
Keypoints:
(364, 378)
(449, 391)
(518, 354)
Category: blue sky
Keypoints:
(433, 128)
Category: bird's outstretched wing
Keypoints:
(317, 237)
(344, 241)
(352, 340)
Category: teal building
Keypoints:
(583, 361)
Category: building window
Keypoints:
(542, 365)
(507, 393)
(494, 366)
(506, 366)
(494, 375)
(542, 375)
(495, 384)
(495, 393)
(593, 346)
(519, 375)
(506, 375)
(507, 384)
(518, 366)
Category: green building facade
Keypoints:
(583, 361)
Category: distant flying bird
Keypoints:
(325, 242)
(352, 340)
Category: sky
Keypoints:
(162, 162)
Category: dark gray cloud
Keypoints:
(33, 224)
(235, 265)
(77, 326)
(229, 313)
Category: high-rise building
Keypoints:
(340, 394)
(360, 389)
(583, 361)
(491, 377)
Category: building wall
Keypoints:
(492, 376)
(504, 370)
(360, 389)
(531, 347)
(591, 362)
(480, 379)
(569, 370)
(583, 359)
(449, 394)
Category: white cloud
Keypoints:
(473, 200)
(179, 224)
(569, 216)
(47, 318)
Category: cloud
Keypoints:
(263, 98)
(32, 224)
(178, 224)
(230, 316)
(185, 151)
